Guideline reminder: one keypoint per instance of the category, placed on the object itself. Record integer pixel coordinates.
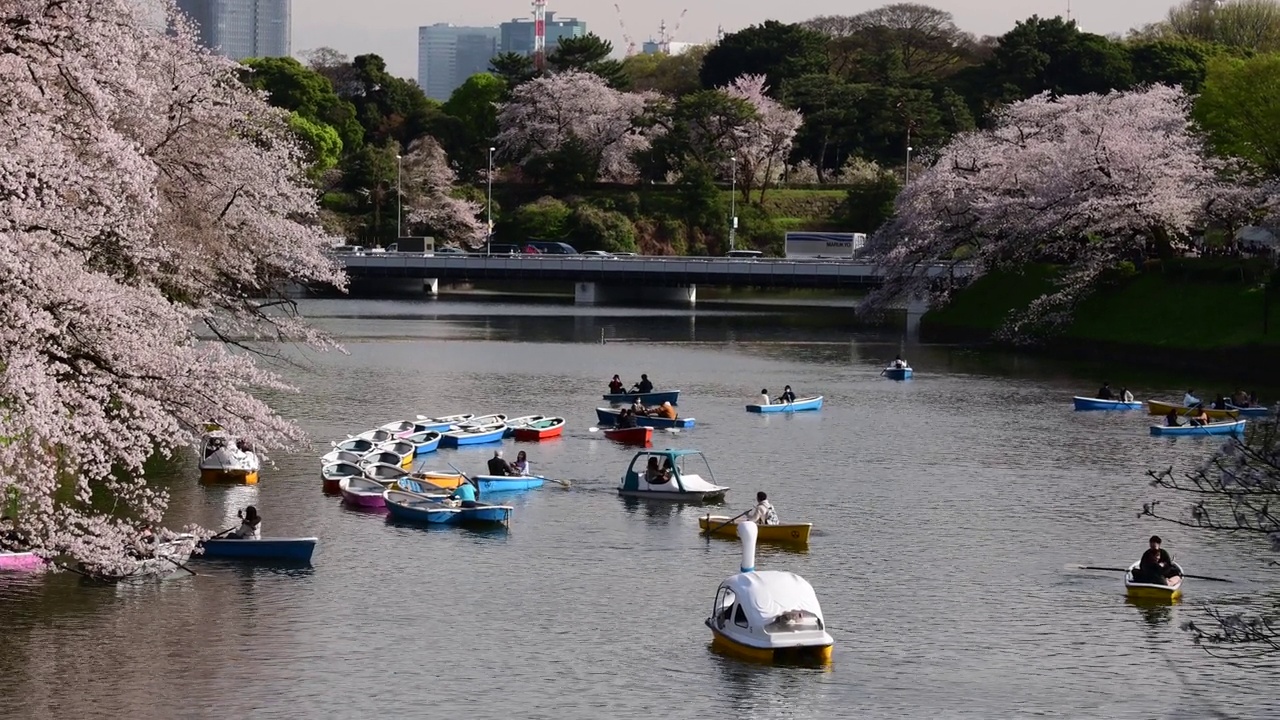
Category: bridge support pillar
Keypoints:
(591, 293)
(917, 306)
(431, 286)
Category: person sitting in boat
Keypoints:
(655, 475)
(1156, 566)
(898, 363)
(250, 525)
(465, 494)
(626, 418)
(1172, 418)
(498, 466)
(1201, 418)
(667, 411)
(638, 408)
(1219, 404)
(1190, 400)
(615, 386)
(521, 465)
(644, 386)
(144, 544)
(787, 396)
(1125, 395)
(763, 513)
(764, 397)
(1253, 399)
(1104, 393)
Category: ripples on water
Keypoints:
(945, 509)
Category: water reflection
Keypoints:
(1153, 612)
(758, 690)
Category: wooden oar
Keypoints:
(224, 532)
(470, 482)
(1125, 570)
(710, 531)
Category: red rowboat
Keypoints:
(630, 436)
(541, 430)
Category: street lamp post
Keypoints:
(733, 199)
(399, 200)
(907, 172)
(488, 208)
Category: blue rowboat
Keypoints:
(609, 416)
(506, 483)
(473, 435)
(1084, 403)
(424, 442)
(649, 398)
(295, 549)
(1229, 427)
(409, 507)
(810, 403)
(440, 424)
(1250, 411)
(898, 373)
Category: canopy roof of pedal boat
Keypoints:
(685, 479)
(766, 594)
(668, 453)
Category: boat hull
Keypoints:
(295, 549)
(1219, 428)
(709, 496)
(20, 562)
(437, 513)
(551, 428)
(1251, 411)
(813, 403)
(799, 654)
(444, 481)
(791, 533)
(607, 416)
(1151, 591)
(1084, 403)
(649, 398)
(238, 477)
(458, 438)
(501, 483)
(630, 436)
(898, 373)
(1159, 408)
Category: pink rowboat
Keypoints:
(362, 492)
(20, 562)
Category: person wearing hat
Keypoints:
(498, 466)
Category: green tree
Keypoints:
(776, 50)
(698, 126)
(544, 219)
(1239, 107)
(869, 202)
(671, 75)
(1040, 55)
(921, 42)
(1173, 61)
(512, 68)
(597, 229)
(322, 139)
(1252, 25)
(390, 108)
(588, 53)
(474, 105)
(292, 86)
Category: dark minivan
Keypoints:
(552, 248)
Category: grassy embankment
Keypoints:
(1187, 312)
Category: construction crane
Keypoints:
(626, 37)
(664, 37)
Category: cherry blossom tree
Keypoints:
(762, 144)
(573, 124)
(1083, 180)
(145, 195)
(430, 185)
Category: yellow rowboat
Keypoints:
(240, 477)
(1153, 591)
(792, 533)
(442, 480)
(1159, 408)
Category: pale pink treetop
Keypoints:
(763, 144)
(145, 195)
(1086, 180)
(430, 184)
(549, 113)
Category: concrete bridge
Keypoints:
(599, 278)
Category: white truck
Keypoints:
(823, 245)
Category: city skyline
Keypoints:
(390, 27)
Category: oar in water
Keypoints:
(710, 530)
(1116, 569)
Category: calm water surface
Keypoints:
(945, 509)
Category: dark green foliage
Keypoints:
(512, 68)
(869, 202)
(776, 50)
(590, 54)
(598, 229)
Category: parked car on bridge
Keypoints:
(345, 249)
(744, 254)
(500, 249)
(551, 248)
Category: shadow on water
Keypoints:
(1153, 612)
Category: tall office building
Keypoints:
(517, 35)
(242, 29)
(449, 54)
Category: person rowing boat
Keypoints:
(1156, 567)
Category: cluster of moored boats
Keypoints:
(1229, 420)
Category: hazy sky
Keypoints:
(389, 27)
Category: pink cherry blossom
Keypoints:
(1084, 180)
(762, 145)
(429, 182)
(151, 208)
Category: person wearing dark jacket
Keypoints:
(498, 466)
(644, 386)
(1105, 392)
(1156, 567)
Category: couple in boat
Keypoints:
(1156, 567)
(617, 388)
(1198, 417)
(498, 466)
(1105, 393)
(786, 397)
(665, 410)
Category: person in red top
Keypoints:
(615, 385)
